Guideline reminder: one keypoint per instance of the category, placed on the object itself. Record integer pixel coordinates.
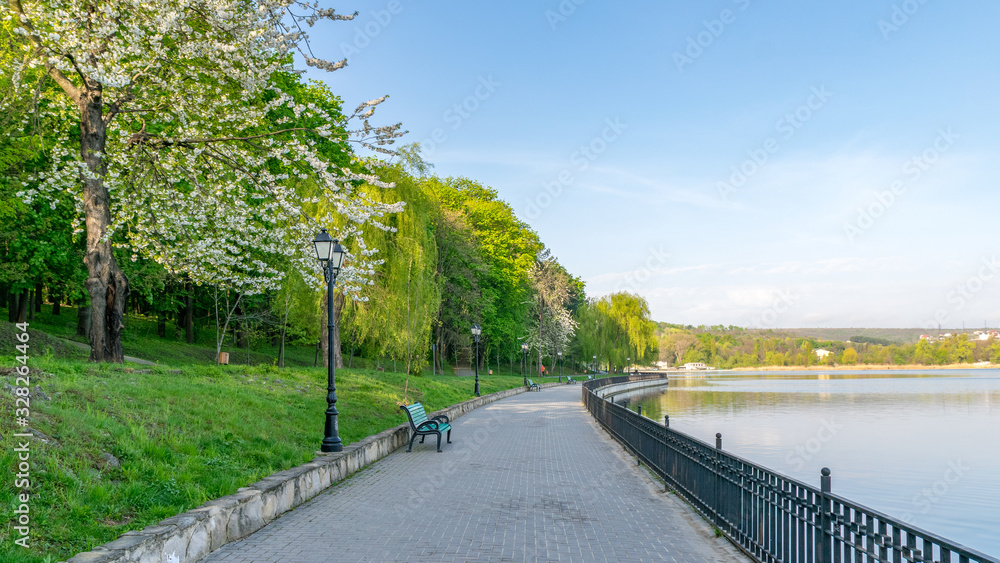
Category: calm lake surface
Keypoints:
(920, 446)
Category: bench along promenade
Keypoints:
(531, 477)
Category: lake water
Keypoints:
(920, 446)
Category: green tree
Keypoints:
(850, 357)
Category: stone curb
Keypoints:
(190, 536)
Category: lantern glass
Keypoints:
(336, 256)
(323, 243)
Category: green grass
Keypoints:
(183, 437)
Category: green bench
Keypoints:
(423, 427)
(533, 385)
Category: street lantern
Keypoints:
(594, 365)
(560, 365)
(524, 362)
(476, 331)
(331, 255)
(627, 362)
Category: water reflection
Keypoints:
(922, 446)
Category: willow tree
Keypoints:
(395, 313)
(174, 131)
(615, 327)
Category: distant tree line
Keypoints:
(730, 347)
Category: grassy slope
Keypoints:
(182, 438)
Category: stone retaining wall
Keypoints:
(190, 536)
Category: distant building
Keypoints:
(821, 353)
(695, 365)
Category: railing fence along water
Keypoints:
(770, 516)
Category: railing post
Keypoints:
(824, 537)
(666, 421)
(639, 412)
(717, 509)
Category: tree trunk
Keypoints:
(324, 332)
(239, 329)
(31, 304)
(189, 315)
(338, 309)
(161, 325)
(39, 288)
(12, 307)
(82, 317)
(22, 307)
(56, 304)
(338, 312)
(281, 349)
(541, 318)
(106, 284)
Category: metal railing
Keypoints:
(770, 516)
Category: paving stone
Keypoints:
(528, 478)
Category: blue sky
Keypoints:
(771, 164)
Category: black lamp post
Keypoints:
(331, 254)
(559, 354)
(524, 362)
(627, 366)
(595, 364)
(476, 331)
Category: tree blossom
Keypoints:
(182, 132)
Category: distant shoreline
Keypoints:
(862, 367)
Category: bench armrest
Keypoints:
(443, 418)
(429, 425)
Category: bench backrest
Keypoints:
(530, 382)
(416, 414)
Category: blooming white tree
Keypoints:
(181, 130)
(552, 323)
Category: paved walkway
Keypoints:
(529, 478)
(86, 347)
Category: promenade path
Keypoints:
(528, 478)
